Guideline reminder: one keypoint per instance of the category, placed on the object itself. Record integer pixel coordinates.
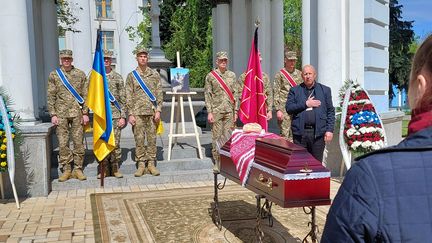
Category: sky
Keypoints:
(420, 12)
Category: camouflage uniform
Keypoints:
(218, 102)
(62, 103)
(116, 86)
(280, 95)
(139, 105)
(267, 89)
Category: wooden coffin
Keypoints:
(284, 173)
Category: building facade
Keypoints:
(342, 39)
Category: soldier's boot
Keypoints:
(141, 169)
(67, 174)
(106, 171)
(152, 168)
(78, 174)
(115, 170)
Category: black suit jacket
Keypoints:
(324, 114)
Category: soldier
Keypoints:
(67, 86)
(118, 107)
(285, 79)
(144, 103)
(221, 93)
(267, 89)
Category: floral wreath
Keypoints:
(3, 138)
(363, 131)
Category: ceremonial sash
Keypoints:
(69, 87)
(289, 78)
(144, 88)
(224, 86)
(114, 101)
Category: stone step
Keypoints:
(174, 173)
(129, 167)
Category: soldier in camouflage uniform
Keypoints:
(68, 116)
(280, 93)
(116, 87)
(222, 112)
(143, 115)
(267, 90)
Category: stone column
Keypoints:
(15, 69)
(128, 17)
(82, 41)
(309, 33)
(240, 37)
(258, 11)
(277, 40)
(330, 40)
(156, 51)
(49, 45)
(223, 27)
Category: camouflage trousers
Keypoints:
(145, 129)
(70, 127)
(285, 127)
(115, 155)
(222, 124)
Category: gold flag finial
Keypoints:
(257, 22)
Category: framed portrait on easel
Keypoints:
(179, 79)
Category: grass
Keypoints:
(404, 128)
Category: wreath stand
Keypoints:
(180, 113)
(10, 153)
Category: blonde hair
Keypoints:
(422, 64)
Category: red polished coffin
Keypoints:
(284, 173)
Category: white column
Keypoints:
(310, 32)
(329, 42)
(16, 72)
(223, 28)
(49, 45)
(277, 40)
(356, 40)
(128, 17)
(82, 41)
(240, 37)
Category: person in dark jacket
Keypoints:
(387, 195)
(313, 115)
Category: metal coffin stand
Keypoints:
(282, 173)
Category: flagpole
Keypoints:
(101, 165)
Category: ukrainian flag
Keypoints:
(98, 101)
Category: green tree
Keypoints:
(66, 18)
(141, 33)
(401, 38)
(190, 26)
(293, 26)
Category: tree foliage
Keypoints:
(141, 33)
(66, 18)
(190, 33)
(400, 50)
(293, 26)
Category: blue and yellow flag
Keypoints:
(98, 101)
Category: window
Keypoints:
(104, 9)
(108, 40)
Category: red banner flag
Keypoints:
(252, 103)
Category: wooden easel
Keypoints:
(180, 114)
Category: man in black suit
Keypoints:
(313, 114)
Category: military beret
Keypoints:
(291, 55)
(140, 49)
(65, 53)
(108, 53)
(222, 55)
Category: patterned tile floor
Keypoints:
(66, 216)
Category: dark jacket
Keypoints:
(324, 114)
(386, 196)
